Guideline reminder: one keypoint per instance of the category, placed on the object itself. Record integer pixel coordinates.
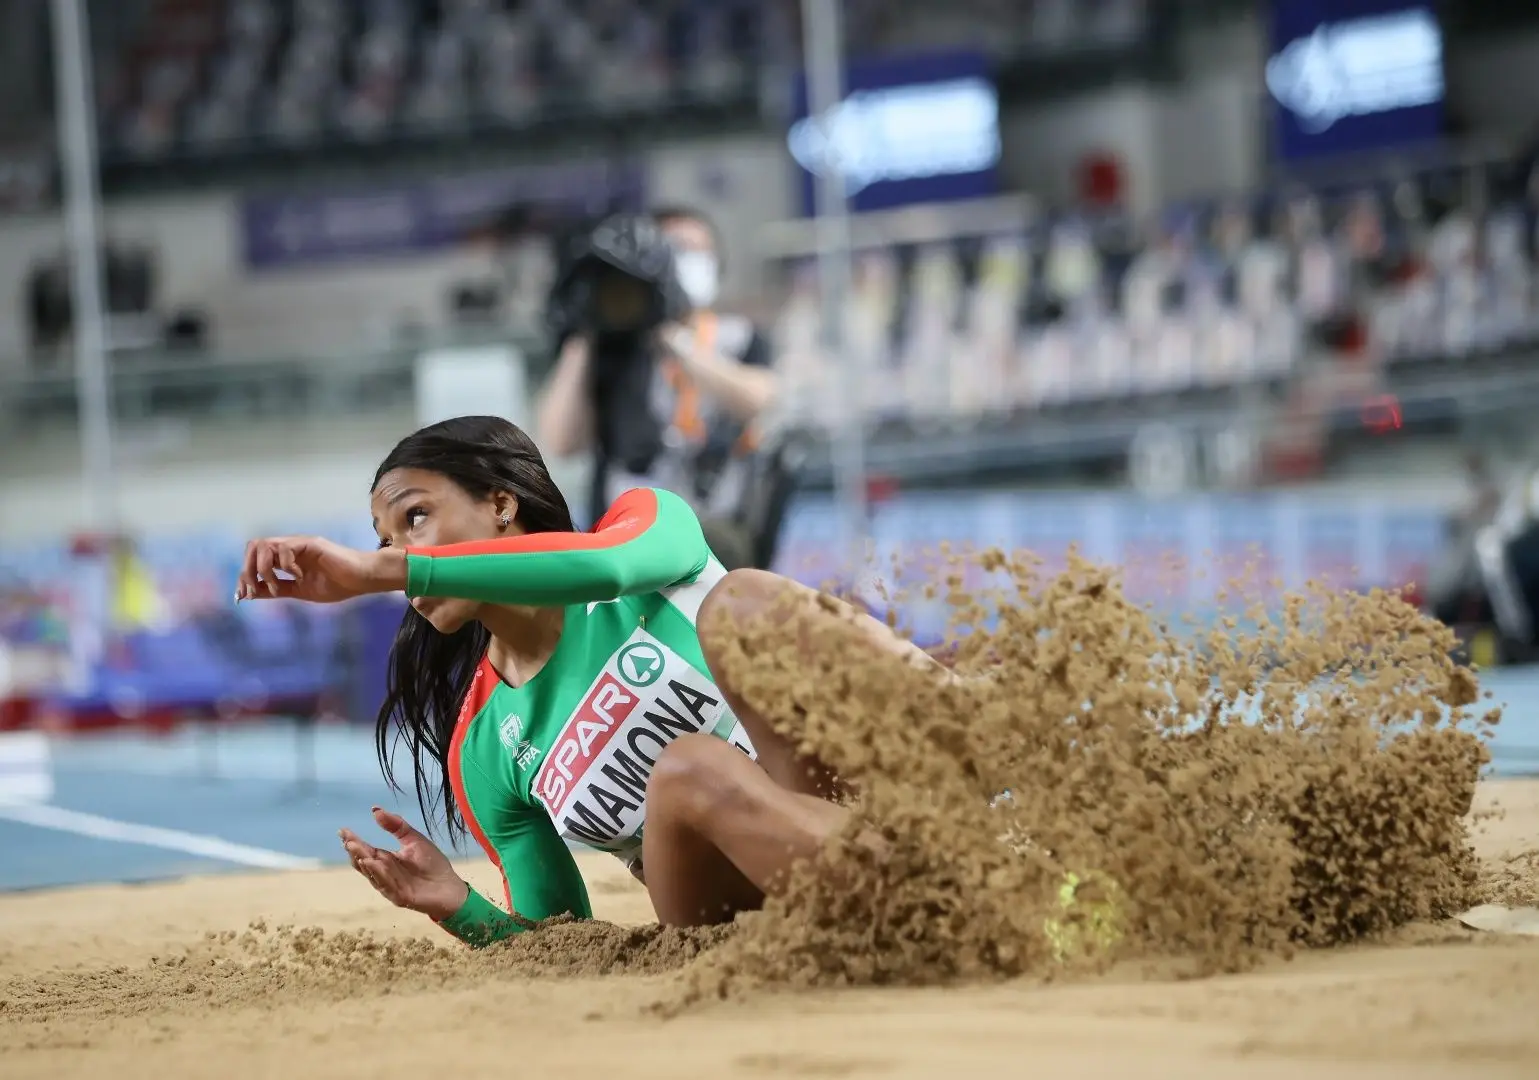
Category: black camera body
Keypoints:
(617, 282)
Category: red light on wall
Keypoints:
(1102, 181)
(1381, 414)
(880, 489)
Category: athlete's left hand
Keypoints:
(317, 570)
(418, 877)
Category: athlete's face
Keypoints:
(417, 508)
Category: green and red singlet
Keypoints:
(564, 759)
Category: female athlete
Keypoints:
(555, 686)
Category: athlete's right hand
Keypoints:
(418, 877)
(318, 570)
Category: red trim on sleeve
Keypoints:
(632, 514)
(482, 686)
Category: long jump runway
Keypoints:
(137, 807)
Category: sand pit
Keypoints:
(82, 998)
(1285, 882)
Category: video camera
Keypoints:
(617, 284)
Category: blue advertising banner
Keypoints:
(1351, 76)
(910, 129)
(291, 229)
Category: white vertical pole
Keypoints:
(77, 143)
(823, 52)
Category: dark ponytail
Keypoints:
(430, 673)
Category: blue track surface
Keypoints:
(244, 786)
(254, 785)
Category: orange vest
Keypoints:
(686, 408)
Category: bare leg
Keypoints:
(721, 834)
(778, 605)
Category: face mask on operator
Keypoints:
(699, 276)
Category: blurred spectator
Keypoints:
(1485, 490)
(378, 61)
(628, 69)
(508, 87)
(1456, 590)
(294, 70)
(440, 98)
(151, 126)
(220, 71)
(1434, 265)
(1317, 260)
(136, 600)
(711, 379)
(1508, 273)
(1231, 235)
(713, 70)
(1154, 284)
(1071, 279)
(1261, 270)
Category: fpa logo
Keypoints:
(640, 664)
(511, 730)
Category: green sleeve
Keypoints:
(539, 875)
(479, 922)
(650, 539)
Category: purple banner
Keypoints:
(288, 230)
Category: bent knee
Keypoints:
(698, 777)
(739, 593)
(739, 598)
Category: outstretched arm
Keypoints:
(650, 539)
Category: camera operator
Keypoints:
(658, 384)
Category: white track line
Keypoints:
(190, 771)
(100, 828)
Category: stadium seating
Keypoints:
(1410, 277)
(299, 72)
(1418, 269)
(1424, 269)
(211, 74)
